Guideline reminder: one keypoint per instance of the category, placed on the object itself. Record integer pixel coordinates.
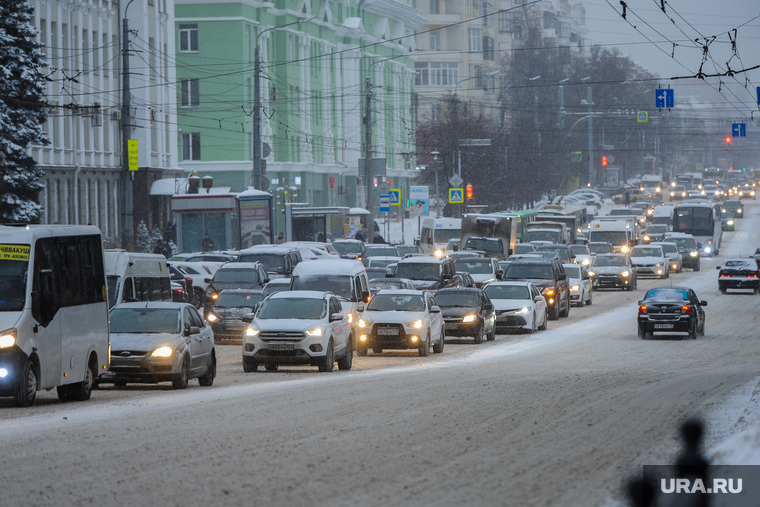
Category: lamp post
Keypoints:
(127, 225)
(436, 165)
(256, 179)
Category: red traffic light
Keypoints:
(468, 191)
(728, 140)
(604, 161)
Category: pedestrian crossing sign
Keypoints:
(456, 195)
(395, 195)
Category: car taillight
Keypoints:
(686, 310)
(751, 276)
(179, 290)
(188, 281)
(725, 276)
(642, 310)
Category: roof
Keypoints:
(240, 265)
(459, 289)
(281, 249)
(331, 266)
(278, 281)
(740, 263)
(171, 305)
(610, 254)
(400, 292)
(348, 241)
(421, 259)
(510, 282)
(309, 294)
(244, 291)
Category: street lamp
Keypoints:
(471, 77)
(257, 103)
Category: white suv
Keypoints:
(298, 327)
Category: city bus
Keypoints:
(702, 221)
(521, 218)
(712, 175)
(53, 311)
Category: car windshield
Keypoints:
(144, 320)
(645, 252)
(231, 275)
(666, 293)
(562, 251)
(508, 292)
(603, 248)
(381, 283)
(456, 298)
(348, 248)
(487, 244)
(521, 248)
(579, 250)
(292, 308)
(669, 248)
(523, 271)
(539, 235)
(381, 263)
(418, 271)
(237, 300)
(405, 249)
(573, 271)
(685, 243)
(732, 204)
(657, 229)
(609, 260)
(613, 237)
(13, 283)
(273, 263)
(383, 251)
(622, 212)
(397, 303)
(444, 235)
(340, 285)
(474, 266)
(112, 283)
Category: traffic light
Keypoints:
(468, 191)
(604, 161)
(728, 140)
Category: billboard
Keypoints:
(419, 199)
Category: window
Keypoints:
(191, 146)
(549, 20)
(436, 73)
(188, 37)
(435, 43)
(487, 14)
(505, 21)
(488, 48)
(475, 8)
(476, 39)
(190, 94)
(434, 7)
(435, 114)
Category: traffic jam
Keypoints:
(306, 304)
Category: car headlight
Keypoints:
(164, 351)
(586, 262)
(658, 264)
(315, 332)
(708, 249)
(214, 296)
(672, 194)
(438, 253)
(683, 194)
(624, 249)
(591, 273)
(7, 338)
(363, 323)
(647, 238)
(252, 331)
(730, 222)
(738, 211)
(417, 324)
(694, 253)
(625, 273)
(724, 210)
(523, 310)
(575, 288)
(467, 318)
(211, 317)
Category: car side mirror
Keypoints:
(248, 318)
(640, 301)
(365, 296)
(435, 309)
(703, 303)
(717, 267)
(336, 317)
(360, 307)
(417, 241)
(499, 274)
(455, 248)
(488, 306)
(266, 280)
(448, 276)
(537, 298)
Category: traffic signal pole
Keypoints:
(368, 160)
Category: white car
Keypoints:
(519, 305)
(582, 254)
(482, 270)
(580, 284)
(298, 327)
(650, 260)
(381, 261)
(401, 319)
(671, 252)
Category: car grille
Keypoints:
(506, 311)
(401, 336)
(128, 353)
(282, 335)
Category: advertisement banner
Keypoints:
(419, 198)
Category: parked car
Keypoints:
(613, 271)
(738, 273)
(519, 305)
(671, 309)
(401, 319)
(226, 316)
(160, 341)
(580, 284)
(467, 312)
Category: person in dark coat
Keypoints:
(359, 236)
(378, 239)
(207, 244)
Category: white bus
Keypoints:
(53, 311)
(436, 233)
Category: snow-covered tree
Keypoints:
(143, 241)
(155, 237)
(22, 113)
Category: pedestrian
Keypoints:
(378, 239)
(280, 239)
(359, 236)
(207, 244)
(162, 248)
(170, 234)
(627, 197)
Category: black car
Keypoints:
(234, 275)
(550, 277)
(734, 206)
(688, 248)
(654, 233)
(738, 274)
(671, 310)
(727, 222)
(226, 316)
(467, 312)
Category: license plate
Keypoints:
(663, 326)
(451, 327)
(388, 331)
(280, 346)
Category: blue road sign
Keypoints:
(758, 94)
(385, 203)
(664, 98)
(456, 195)
(739, 130)
(576, 156)
(642, 116)
(395, 195)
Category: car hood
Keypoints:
(287, 324)
(458, 311)
(501, 305)
(220, 286)
(392, 317)
(672, 255)
(231, 313)
(144, 341)
(9, 320)
(608, 270)
(636, 261)
(542, 283)
(426, 284)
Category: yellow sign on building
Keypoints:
(132, 154)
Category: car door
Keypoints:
(436, 321)
(585, 282)
(540, 305)
(207, 338)
(489, 315)
(700, 311)
(194, 342)
(338, 328)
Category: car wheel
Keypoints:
(555, 314)
(438, 347)
(590, 298)
(183, 377)
(249, 365)
(26, 391)
(81, 391)
(642, 333)
(532, 325)
(425, 347)
(566, 311)
(120, 383)
(693, 331)
(722, 290)
(64, 393)
(197, 300)
(479, 334)
(581, 301)
(345, 362)
(492, 335)
(702, 329)
(757, 290)
(542, 327)
(697, 267)
(328, 362)
(362, 350)
(377, 350)
(208, 379)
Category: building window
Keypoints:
(475, 8)
(436, 73)
(188, 37)
(549, 21)
(487, 14)
(476, 39)
(435, 113)
(505, 21)
(191, 146)
(488, 48)
(434, 7)
(435, 41)
(190, 94)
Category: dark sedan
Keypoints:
(467, 312)
(738, 274)
(226, 316)
(671, 310)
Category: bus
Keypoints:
(521, 218)
(54, 307)
(436, 233)
(713, 175)
(702, 221)
(686, 180)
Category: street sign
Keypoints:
(642, 117)
(132, 154)
(419, 197)
(383, 188)
(664, 98)
(395, 195)
(385, 203)
(699, 167)
(456, 181)
(456, 195)
(265, 150)
(576, 156)
(474, 142)
(739, 130)
(264, 183)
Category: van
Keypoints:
(547, 232)
(663, 215)
(278, 261)
(54, 311)
(436, 233)
(619, 231)
(135, 276)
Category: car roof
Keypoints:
(551, 245)
(511, 282)
(153, 304)
(678, 235)
(241, 291)
(422, 259)
(329, 266)
(240, 265)
(308, 294)
(380, 280)
(279, 249)
(384, 258)
(401, 292)
(348, 241)
(676, 287)
(609, 254)
(459, 289)
(278, 281)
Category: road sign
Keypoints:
(699, 167)
(474, 142)
(395, 195)
(664, 98)
(419, 197)
(758, 95)
(132, 154)
(456, 181)
(739, 130)
(265, 150)
(383, 188)
(385, 203)
(456, 195)
(642, 117)
(576, 156)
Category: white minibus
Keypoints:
(137, 277)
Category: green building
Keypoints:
(313, 93)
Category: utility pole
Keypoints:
(127, 223)
(368, 159)
(256, 119)
(590, 104)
